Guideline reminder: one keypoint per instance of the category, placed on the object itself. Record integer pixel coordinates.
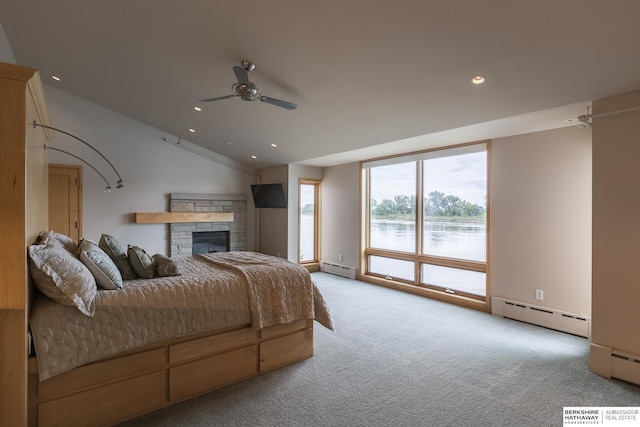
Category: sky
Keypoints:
(307, 194)
(463, 175)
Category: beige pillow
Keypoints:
(62, 277)
(116, 252)
(141, 262)
(57, 239)
(100, 265)
(165, 266)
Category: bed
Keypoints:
(211, 321)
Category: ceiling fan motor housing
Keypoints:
(250, 92)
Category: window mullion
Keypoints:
(419, 219)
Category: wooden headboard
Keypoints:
(23, 214)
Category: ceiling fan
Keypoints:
(248, 91)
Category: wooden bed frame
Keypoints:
(155, 376)
(127, 385)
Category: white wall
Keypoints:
(616, 230)
(151, 170)
(273, 221)
(6, 53)
(541, 218)
(340, 214)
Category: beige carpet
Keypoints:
(402, 360)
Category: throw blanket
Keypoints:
(279, 290)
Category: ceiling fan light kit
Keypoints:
(248, 91)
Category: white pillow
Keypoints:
(62, 277)
(102, 267)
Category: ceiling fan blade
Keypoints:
(217, 98)
(241, 75)
(279, 103)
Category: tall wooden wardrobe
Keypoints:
(23, 214)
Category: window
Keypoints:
(455, 191)
(391, 268)
(426, 219)
(308, 221)
(393, 207)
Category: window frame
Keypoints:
(419, 286)
(316, 219)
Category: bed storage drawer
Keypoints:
(285, 329)
(96, 407)
(102, 372)
(212, 345)
(286, 349)
(200, 376)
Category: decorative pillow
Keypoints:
(141, 262)
(62, 277)
(57, 239)
(116, 252)
(100, 265)
(165, 266)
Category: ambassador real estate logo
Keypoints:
(607, 416)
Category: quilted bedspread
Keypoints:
(214, 291)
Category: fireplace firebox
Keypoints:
(210, 241)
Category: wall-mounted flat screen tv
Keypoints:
(268, 196)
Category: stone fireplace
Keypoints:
(182, 234)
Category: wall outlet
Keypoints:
(340, 258)
(539, 294)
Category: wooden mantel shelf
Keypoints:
(171, 217)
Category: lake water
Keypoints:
(446, 239)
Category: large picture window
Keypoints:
(426, 219)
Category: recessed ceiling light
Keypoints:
(228, 142)
(192, 130)
(478, 80)
(197, 108)
(253, 157)
(274, 145)
(56, 78)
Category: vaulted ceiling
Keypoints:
(370, 78)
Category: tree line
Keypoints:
(436, 204)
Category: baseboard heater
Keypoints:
(612, 363)
(572, 323)
(338, 270)
(625, 366)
